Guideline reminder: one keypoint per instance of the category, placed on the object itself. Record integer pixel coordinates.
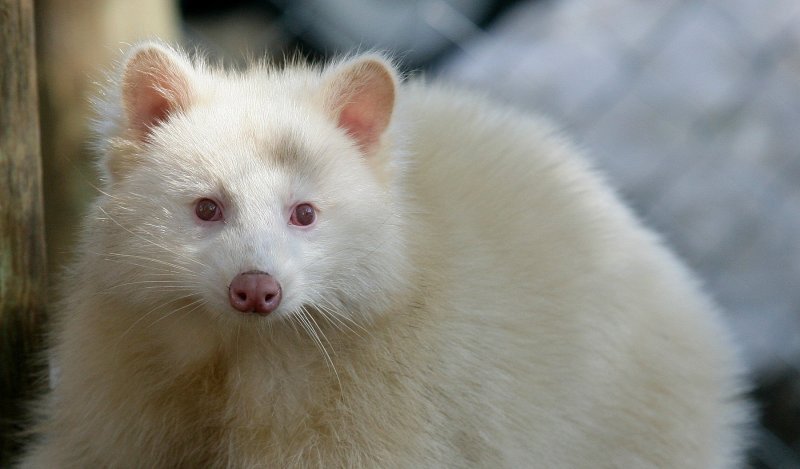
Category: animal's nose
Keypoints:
(255, 292)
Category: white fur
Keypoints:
(475, 296)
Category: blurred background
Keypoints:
(692, 108)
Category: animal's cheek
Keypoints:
(216, 293)
(294, 283)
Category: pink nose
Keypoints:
(255, 292)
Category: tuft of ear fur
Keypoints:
(360, 95)
(156, 83)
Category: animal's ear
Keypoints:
(156, 83)
(360, 96)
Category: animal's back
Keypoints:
(563, 300)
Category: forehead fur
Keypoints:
(260, 86)
(263, 114)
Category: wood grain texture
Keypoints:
(22, 255)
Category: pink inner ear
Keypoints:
(360, 126)
(150, 109)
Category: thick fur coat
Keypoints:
(469, 294)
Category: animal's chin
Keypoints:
(292, 313)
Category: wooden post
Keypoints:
(22, 255)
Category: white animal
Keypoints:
(328, 268)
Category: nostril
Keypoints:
(269, 297)
(242, 296)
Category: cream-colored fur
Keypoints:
(471, 295)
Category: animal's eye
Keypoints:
(303, 215)
(208, 210)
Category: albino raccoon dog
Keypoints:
(328, 268)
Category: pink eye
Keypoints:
(208, 210)
(303, 215)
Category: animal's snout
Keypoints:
(255, 292)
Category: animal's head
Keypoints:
(250, 196)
